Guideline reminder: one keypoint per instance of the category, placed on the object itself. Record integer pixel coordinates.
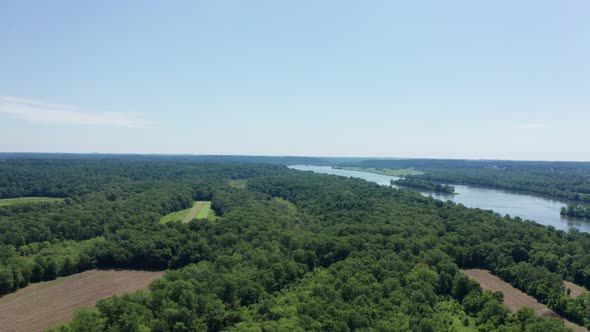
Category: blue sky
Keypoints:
(440, 79)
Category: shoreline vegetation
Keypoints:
(422, 184)
(382, 171)
(567, 180)
(576, 210)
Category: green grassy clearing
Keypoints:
(22, 200)
(200, 210)
(384, 171)
(204, 211)
(175, 216)
(240, 184)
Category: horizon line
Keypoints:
(286, 156)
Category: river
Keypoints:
(543, 210)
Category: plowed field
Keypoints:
(514, 298)
(43, 305)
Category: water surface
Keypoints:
(541, 209)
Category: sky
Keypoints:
(427, 79)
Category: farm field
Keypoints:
(514, 298)
(200, 209)
(203, 211)
(22, 200)
(175, 216)
(575, 289)
(43, 305)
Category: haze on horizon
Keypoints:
(498, 80)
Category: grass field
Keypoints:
(22, 200)
(240, 184)
(204, 211)
(43, 305)
(383, 171)
(175, 216)
(514, 299)
(200, 210)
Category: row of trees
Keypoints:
(576, 210)
(423, 184)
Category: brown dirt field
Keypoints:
(43, 305)
(514, 298)
(576, 290)
(193, 212)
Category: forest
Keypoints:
(291, 251)
(568, 180)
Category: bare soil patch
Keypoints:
(514, 298)
(575, 289)
(43, 305)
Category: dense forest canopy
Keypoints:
(290, 251)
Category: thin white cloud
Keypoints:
(533, 125)
(47, 113)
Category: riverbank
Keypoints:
(543, 210)
(388, 172)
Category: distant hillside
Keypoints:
(281, 160)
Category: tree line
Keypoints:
(576, 210)
(423, 184)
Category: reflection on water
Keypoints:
(527, 206)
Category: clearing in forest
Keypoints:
(43, 305)
(200, 210)
(175, 216)
(240, 184)
(514, 299)
(575, 289)
(21, 200)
